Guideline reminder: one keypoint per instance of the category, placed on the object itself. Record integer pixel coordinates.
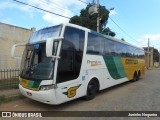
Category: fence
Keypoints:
(9, 78)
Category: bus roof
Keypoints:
(99, 34)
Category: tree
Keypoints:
(122, 39)
(90, 21)
(155, 55)
(107, 31)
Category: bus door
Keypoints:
(69, 78)
(68, 84)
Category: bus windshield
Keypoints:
(43, 34)
(35, 65)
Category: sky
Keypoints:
(136, 20)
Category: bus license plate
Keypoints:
(29, 94)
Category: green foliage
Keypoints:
(122, 39)
(155, 55)
(107, 31)
(4, 98)
(90, 21)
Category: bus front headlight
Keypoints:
(46, 87)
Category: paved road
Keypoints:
(130, 96)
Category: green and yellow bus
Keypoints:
(67, 61)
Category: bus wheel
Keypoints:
(139, 74)
(135, 77)
(92, 89)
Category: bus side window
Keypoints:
(106, 47)
(134, 55)
(119, 47)
(110, 47)
(137, 54)
(102, 45)
(124, 50)
(127, 51)
(90, 49)
(95, 45)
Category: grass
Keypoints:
(4, 99)
(9, 84)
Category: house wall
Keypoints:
(10, 35)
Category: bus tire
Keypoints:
(135, 77)
(139, 74)
(92, 89)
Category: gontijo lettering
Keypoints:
(131, 61)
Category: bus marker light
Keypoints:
(83, 78)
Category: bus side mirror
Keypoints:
(51, 47)
(13, 50)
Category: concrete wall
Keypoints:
(10, 35)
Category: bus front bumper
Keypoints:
(46, 96)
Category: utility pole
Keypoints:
(159, 56)
(148, 55)
(98, 16)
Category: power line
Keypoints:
(120, 8)
(156, 44)
(50, 6)
(120, 27)
(123, 30)
(41, 9)
(62, 7)
(115, 29)
(83, 1)
(69, 18)
(57, 5)
(117, 26)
